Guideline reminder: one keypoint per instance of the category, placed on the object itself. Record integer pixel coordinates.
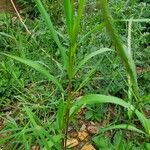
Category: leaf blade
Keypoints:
(100, 99)
(52, 30)
(122, 126)
(37, 67)
(91, 55)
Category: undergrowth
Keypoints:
(77, 55)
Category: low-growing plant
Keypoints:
(68, 106)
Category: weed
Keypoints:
(52, 131)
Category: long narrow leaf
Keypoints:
(98, 27)
(86, 79)
(60, 115)
(52, 30)
(39, 130)
(47, 140)
(88, 57)
(81, 6)
(7, 35)
(98, 99)
(121, 126)
(37, 67)
(69, 12)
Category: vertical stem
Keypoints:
(73, 32)
(67, 114)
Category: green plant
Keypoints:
(118, 143)
(70, 67)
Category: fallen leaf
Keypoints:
(83, 127)
(88, 147)
(35, 147)
(82, 135)
(72, 143)
(92, 129)
(92, 123)
(73, 134)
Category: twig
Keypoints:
(21, 20)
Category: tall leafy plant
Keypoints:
(68, 108)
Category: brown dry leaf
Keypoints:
(72, 143)
(92, 129)
(83, 127)
(35, 147)
(73, 134)
(92, 123)
(82, 135)
(88, 147)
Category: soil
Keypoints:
(6, 6)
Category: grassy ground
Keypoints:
(29, 102)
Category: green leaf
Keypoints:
(56, 139)
(89, 114)
(60, 115)
(98, 27)
(86, 79)
(50, 26)
(147, 146)
(69, 12)
(121, 126)
(39, 130)
(102, 143)
(37, 67)
(99, 99)
(88, 57)
(81, 6)
(75, 30)
(7, 35)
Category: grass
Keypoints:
(46, 110)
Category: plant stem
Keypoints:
(67, 114)
(19, 16)
(73, 28)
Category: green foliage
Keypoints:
(75, 55)
(96, 98)
(118, 142)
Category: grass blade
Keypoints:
(39, 130)
(73, 44)
(7, 35)
(98, 27)
(86, 79)
(69, 12)
(81, 6)
(121, 126)
(37, 67)
(45, 138)
(52, 30)
(88, 57)
(60, 115)
(98, 99)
